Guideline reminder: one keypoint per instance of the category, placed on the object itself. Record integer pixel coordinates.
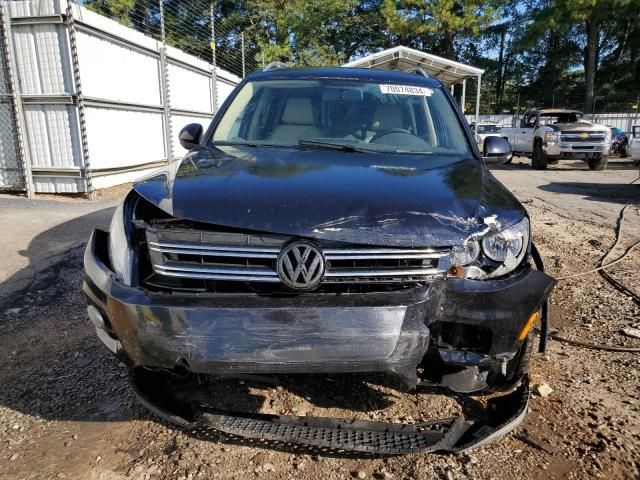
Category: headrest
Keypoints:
(298, 111)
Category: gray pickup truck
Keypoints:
(547, 136)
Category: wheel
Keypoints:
(598, 163)
(624, 153)
(539, 159)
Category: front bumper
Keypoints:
(576, 150)
(175, 400)
(374, 332)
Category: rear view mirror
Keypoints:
(496, 150)
(190, 136)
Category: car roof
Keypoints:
(341, 73)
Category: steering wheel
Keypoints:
(391, 131)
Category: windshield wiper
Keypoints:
(345, 147)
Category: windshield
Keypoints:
(385, 118)
(564, 117)
(489, 129)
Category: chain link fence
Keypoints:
(12, 174)
(196, 27)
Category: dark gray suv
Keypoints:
(328, 221)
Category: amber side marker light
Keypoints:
(456, 271)
(532, 319)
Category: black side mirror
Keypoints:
(190, 136)
(496, 150)
(523, 123)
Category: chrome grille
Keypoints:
(181, 253)
(586, 137)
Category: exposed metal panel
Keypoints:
(30, 8)
(52, 133)
(224, 90)
(44, 65)
(190, 90)
(120, 138)
(106, 181)
(114, 72)
(122, 88)
(45, 184)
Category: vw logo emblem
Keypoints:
(301, 266)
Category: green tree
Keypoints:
(435, 25)
(590, 18)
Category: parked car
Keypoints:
(486, 129)
(328, 221)
(634, 145)
(547, 136)
(619, 142)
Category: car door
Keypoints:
(526, 131)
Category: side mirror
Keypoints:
(190, 136)
(523, 123)
(496, 150)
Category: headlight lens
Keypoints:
(120, 253)
(467, 254)
(507, 244)
(551, 137)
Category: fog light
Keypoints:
(96, 317)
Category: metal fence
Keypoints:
(12, 168)
(94, 102)
(196, 27)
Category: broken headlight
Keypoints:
(509, 242)
(502, 251)
(120, 253)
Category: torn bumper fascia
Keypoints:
(502, 415)
(373, 332)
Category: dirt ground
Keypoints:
(66, 409)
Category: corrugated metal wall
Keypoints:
(132, 115)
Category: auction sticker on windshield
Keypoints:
(406, 90)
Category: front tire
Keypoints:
(539, 160)
(598, 163)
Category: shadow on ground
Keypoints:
(522, 163)
(56, 369)
(602, 192)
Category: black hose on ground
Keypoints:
(544, 334)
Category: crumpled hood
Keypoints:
(375, 199)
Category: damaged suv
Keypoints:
(328, 221)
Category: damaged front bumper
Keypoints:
(164, 394)
(464, 323)
(473, 328)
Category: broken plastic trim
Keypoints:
(503, 414)
(544, 314)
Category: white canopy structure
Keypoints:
(404, 58)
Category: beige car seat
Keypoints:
(296, 123)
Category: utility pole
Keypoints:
(242, 47)
(212, 14)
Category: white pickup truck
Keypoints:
(547, 136)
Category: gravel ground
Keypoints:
(66, 410)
